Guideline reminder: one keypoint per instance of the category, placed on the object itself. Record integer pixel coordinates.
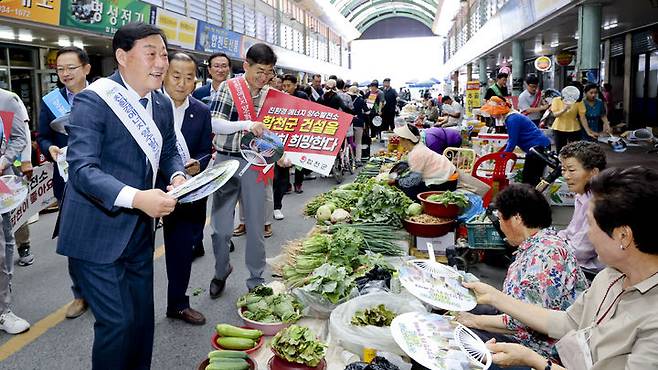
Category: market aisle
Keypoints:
(43, 288)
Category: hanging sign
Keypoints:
(543, 63)
(564, 59)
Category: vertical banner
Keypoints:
(103, 16)
(472, 97)
(312, 134)
(180, 30)
(41, 11)
(40, 195)
(214, 39)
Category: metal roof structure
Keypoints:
(364, 13)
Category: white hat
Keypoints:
(405, 133)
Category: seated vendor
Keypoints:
(544, 272)
(427, 171)
(612, 325)
(581, 161)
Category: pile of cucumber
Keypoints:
(227, 360)
(234, 338)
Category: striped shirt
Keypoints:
(222, 106)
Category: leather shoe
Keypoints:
(76, 308)
(298, 189)
(217, 285)
(240, 230)
(189, 315)
(268, 231)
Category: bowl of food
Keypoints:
(269, 312)
(443, 204)
(228, 337)
(268, 328)
(428, 226)
(229, 358)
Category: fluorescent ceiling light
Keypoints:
(78, 43)
(25, 36)
(64, 41)
(610, 25)
(7, 33)
(554, 44)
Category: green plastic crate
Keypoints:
(483, 235)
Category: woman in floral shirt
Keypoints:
(545, 271)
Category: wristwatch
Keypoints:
(549, 365)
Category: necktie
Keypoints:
(143, 102)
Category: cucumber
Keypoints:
(236, 343)
(237, 363)
(227, 366)
(227, 354)
(226, 330)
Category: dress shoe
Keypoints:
(268, 231)
(76, 308)
(231, 247)
(189, 315)
(298, 189)
(240, 230)
(288, 189)
(217, 285)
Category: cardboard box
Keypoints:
(558, 194)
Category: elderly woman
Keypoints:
(581, 161)
(427, 171)
(521, 132)
(544, 272)
(613, 325)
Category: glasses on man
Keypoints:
(64, 69)
(268, 74)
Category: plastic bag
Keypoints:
(475, 207)
(356, 338)
(317, 306)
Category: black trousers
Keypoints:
(299, 175)
(563, 138)
(388, 121)
(281, 183)
(533, 169)
(180, 230)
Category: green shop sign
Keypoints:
(103, 16)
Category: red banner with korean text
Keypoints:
(312, 133)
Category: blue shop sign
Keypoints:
(214, 39)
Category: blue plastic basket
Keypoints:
(483, 235)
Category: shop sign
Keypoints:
(214, 39)
(41, 11)
(180, 30)
(312, 133)
(472, 97)
(247, 42)
(564, 59)
(543, 63)
(103, 16)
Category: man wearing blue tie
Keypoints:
(182, 227)
(121, 133)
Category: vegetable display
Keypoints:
(450, 197)
(429, 220)
(330, 281)
(299, 345)
(234, 338)
(378, 316)
(227, 360)
(262, 305)
(366, 202)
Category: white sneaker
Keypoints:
(278, 215)
(13, 324)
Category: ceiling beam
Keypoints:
(388, 5)
(365, 24)
(430, 6)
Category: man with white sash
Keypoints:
(234, 111)
(72, 69)
(182, 228)
(121, 132)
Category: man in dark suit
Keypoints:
(219, 69)
(106, 218)
(390, 105)
(181, 228)
(72, 69)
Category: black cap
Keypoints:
(374, 83)
(387, 79)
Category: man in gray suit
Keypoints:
(106, 227)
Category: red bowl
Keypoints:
(259, 344)
(428, 230)
(437, 209)
(277, 363)
(252, 364)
